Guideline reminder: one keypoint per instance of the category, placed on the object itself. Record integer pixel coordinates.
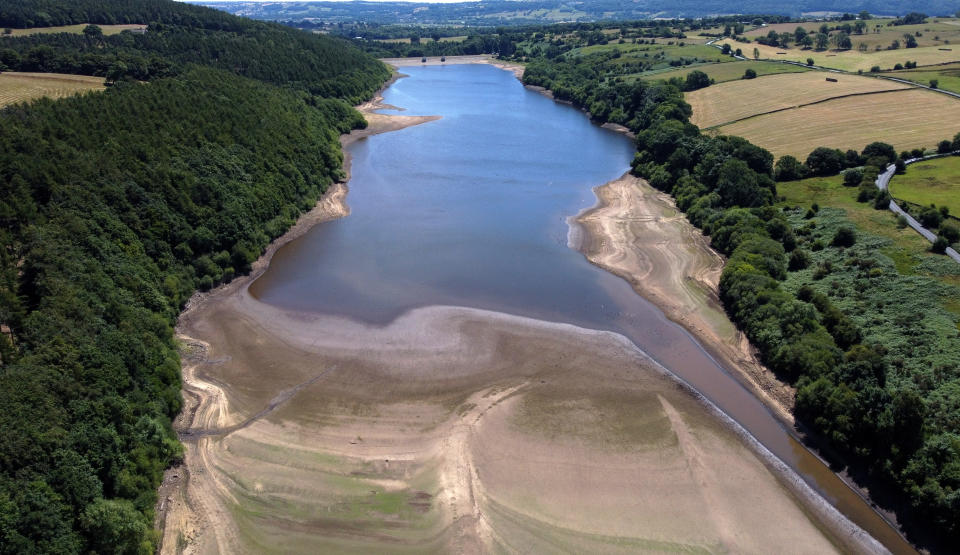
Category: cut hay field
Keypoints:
(948, 75)
(21, 87)
(107, 29)
(729, 71)
(733, 101)
(907, 119)
(854, 60)
(931, 182)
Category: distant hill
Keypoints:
(516, 12)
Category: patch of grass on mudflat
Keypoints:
(932, 182)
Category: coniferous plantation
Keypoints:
(116, 207)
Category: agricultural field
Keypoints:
(107, 29)
(907, 119)
(722, 72)
(852, 60)
(724, 103)
(20, 87)
(932, 182)
(948, 76)
(936, 32)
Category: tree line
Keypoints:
(116, 207)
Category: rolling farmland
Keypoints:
(736, 100)
(906, 119)
(20, 87)
(854, 60)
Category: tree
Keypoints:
(944, 147)
(93, 31)
(789, 168)
(934, 83)
(844, 237)
(841, 41)
(825, 161)
(950, 230)
(822, 41)
(749, 74)
(114, 526)
(696, 79)
(909, 41)
(756, 53)
(725, 50)
(880, 149)
(940, 245)
(809, 61)
(865, 16)
(798, 34)
(852, 178)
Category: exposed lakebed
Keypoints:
(471, 210)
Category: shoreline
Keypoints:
(676, 270)
(206, 401)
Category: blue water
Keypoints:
(471, 210)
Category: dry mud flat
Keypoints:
(459, 430)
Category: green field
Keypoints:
(729, 71)
(908, 250)
(948, 75)
(931, 182)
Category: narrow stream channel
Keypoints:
(470, 210)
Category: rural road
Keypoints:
(883, 182)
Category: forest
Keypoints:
(872, 390)
(116, 207)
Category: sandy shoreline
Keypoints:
(473, 379)
(637, 233)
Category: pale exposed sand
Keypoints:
(637, 233)
(459, 430)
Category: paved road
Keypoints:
(882, 183)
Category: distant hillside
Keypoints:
(512, 12)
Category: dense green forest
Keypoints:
(116, 207)
(879, 388)
(263, 51)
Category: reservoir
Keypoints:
(471, 210)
